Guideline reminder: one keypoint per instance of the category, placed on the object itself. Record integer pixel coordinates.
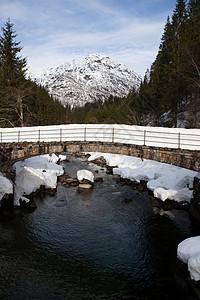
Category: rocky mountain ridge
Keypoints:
(92, 78)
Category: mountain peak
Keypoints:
(89, 79)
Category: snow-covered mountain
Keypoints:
(86, 80)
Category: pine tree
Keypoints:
(168, 87)
(192, 63)
(12, 66)
(179, 86)
(13, 83)
(160, 75)
(193, 36)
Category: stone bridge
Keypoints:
(177, 146)
(189, 159)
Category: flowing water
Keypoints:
(93, 245)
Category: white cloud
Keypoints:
(138, 60)
(135, 44)
(14, 10)
(57, 31)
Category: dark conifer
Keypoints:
(12, 66)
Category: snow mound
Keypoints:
(85, 174)
(6, 186)
(188, 248)
(45, 162)
(194, 267)
(166, 181)
(34, 172)
(188, 251)
(62, 157)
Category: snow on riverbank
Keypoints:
(33, 172)
(166, 181)
(6, 186)
(189, 252)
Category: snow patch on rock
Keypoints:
(6, 186)
(62, 157)
(33, 172)
(85, 174)
(194, 267)
(188, 251)
(166, 181)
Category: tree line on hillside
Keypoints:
(112, 111)
(171, 90)
(22, 102)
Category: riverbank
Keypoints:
(107, 243)
(169, 187)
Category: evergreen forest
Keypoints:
(169, 94)
(22, 102)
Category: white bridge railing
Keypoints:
(127, 134)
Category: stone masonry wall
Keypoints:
(182, 158)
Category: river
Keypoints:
(106, 243)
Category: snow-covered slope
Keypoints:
(86, 80)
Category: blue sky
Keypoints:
(55, 31)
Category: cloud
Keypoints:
(133, 43)
(138, 59)
(58, 30)
(14, 10)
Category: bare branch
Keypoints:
(6, 120)
(196, 67)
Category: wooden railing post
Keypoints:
(113, 134)
(60, 134)
(18, 136)
(39, 135)
(85, 134)
(179, 140)
(145, 137)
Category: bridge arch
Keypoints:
(175, 146)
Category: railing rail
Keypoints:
(126, 134)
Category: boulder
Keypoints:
(155, 202)
(31, 205)
(100, 161)
(68, 181)
(85, 186)
(142, 186)
(109, 170)
(194, 209)
(85, 177)
(50, 191)
(72, 181)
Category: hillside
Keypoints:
(89, 79)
